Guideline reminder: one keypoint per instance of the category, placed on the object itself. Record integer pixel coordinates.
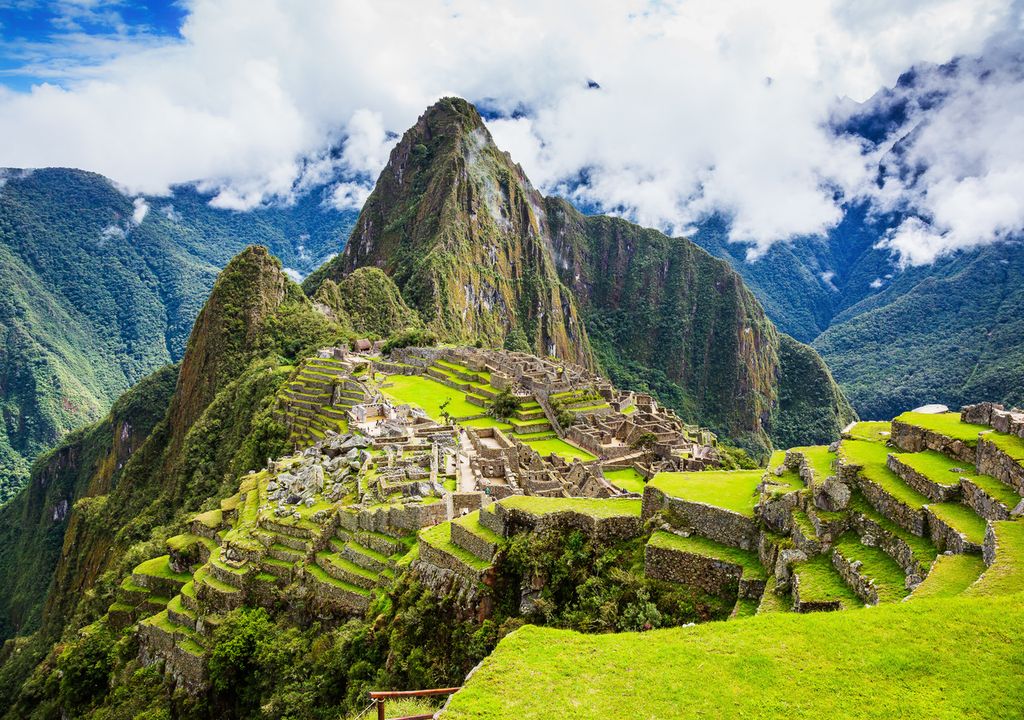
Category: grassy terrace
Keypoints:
(559, 447)
(820, 582)
(594, 507)
(872, 457)
(949, 576)
(875, 430)
(440, 538)
(922, 548)
(429, 395)
(160, 567)
(947, 424)
(471, 522)
(1009, 444)
(696, 545)
(961, 518)
(627, 479)
(939, 468)
(889, 578)
(820, 460)
(736, 490)
(895, 664)
(1006, 575)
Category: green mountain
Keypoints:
(462, 232)
(100, 291)
(942, 333)
(481, 254)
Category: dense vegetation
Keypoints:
(264, 665)
(96, 298)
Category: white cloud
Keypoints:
(293, 274)
(141, 208)
(703, 106)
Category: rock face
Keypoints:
(367, 301)
(462, 232)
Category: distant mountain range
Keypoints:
(99, 289)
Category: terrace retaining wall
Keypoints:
(993, 461)
(715, 523)
(911, 438)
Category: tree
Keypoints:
(504, 404)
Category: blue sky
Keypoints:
(46, 40)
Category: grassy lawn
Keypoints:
(891, 661)
(888, 576)
(1006, 574)
(696, 545)
(872, 456)
(949, 576)
(876, 430)
(627, 479)
(429, 395)
(961, 518)
(486, 422)
(595, 507)
(947, 424)
(560, 447)
(820, 582)
(736, 490)
(939, 468)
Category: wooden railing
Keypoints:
(380, 697)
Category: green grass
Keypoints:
(961, 518)
(440, 537)
(627, 479)
(204, 576)
(486, 422)
(872, 456)
(736, 490)
(939, 468)
(429, 394)
(180, 542)
(1009, 444)
(161, 567)
(1005, 576)
(317, 572)
(560, 447)
(696, 545)
(947, 424)
(892, 661)
(471, 522)
(889, 577)
(820, 460)
(745, 607)
(950, 575)
(820, 582)
(594, 507)
(771, 601)
(875, 430)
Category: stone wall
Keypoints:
(874, 535)
(991, 545)
(605, 530)
(804, 606)
(911, 438)
(471, 541)
(947, 539)
(980, 501)
(187, 670)
(715, 577)
(993, 461)
(440, 559)
(859, 583)
(932, 490)
(908, 518)
(724, 526)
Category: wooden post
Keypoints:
(380, 709)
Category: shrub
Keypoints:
(504, 404)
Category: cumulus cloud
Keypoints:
(958, 167)
(662, 112)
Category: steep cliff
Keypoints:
(460, 229)
(368, 301)
(665, 315)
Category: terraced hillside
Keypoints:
(914, 517)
